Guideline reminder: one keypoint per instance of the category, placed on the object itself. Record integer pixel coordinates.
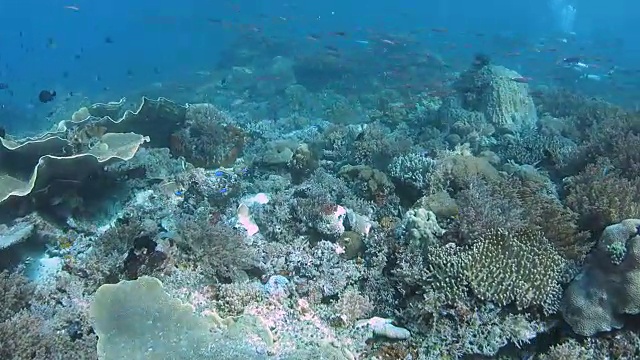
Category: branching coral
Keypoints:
(484, 206)
(602, 197)
(445, 267)
(28, 332)
(533, 148)
(210, 139)
(515, 204)
(519, 267)
(372, 184)
(376, 145)
(15, 293)
(418, 171)
(219, 250)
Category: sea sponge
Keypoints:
(519, 267)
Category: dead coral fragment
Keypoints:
(384, 327)
(519, 267)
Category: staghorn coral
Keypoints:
(518, 267)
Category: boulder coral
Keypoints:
(492, 90)
(608, 288)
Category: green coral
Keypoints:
(519, 267)
(617, 251)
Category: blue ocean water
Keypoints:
(103, 50)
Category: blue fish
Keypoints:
(179, 193)
(219, 173)
(223, 190)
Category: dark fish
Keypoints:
(332, 48)
(45, 96)
(108, 40)
(571, 60)
(4, 86)
(481, 60)
(3, 132)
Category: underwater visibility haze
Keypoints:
(244, 179)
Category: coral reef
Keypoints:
(309, 208)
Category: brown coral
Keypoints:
(602, 197)
(218, 249)
(516, 204)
